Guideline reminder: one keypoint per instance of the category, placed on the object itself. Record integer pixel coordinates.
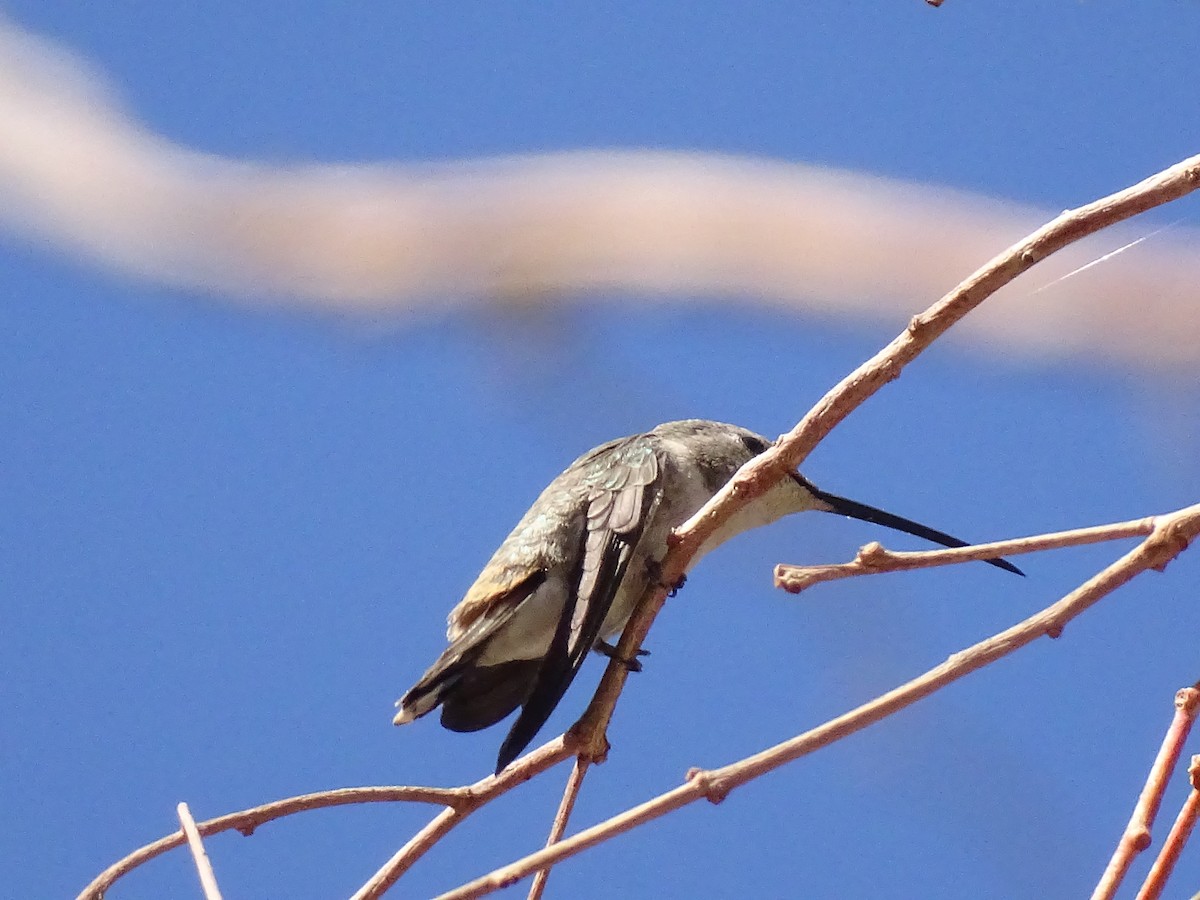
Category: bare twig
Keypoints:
(1185, 822)
(874, 559)
(247, 820)
(1136, 837)
(404, 240)
(567, 804)
(208, 878)
(1170, 537)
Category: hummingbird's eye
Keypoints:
(754, 443)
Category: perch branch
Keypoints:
(757, 476)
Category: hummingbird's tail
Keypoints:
(472, 695)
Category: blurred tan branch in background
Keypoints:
(79, 173)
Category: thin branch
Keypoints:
(1136, 836)
(874, 559)
(1171, 535)
(565, 806)
(247, 820)
(757, 476)
(208, 878)
(1178, 837)
(1185, 822)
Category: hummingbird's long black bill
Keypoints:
(855, 510)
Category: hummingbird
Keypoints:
(567, 578)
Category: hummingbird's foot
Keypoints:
(604, 648)
(654, 570)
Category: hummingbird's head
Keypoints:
(716, 448)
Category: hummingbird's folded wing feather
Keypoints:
(624, 492)
(497, 589)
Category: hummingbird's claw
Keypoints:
(604, 648)
(654, 570)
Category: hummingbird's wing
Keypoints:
(624, 490)
(496, 591)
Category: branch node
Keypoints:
(1187, 700)
(873, 556)
(246, 830)
(468, 798)
(587, 740)
(1194, 772)
(1054, 630)
(713, 787)
(1169, 540)
(792, 579)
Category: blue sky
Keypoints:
(231, 538)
